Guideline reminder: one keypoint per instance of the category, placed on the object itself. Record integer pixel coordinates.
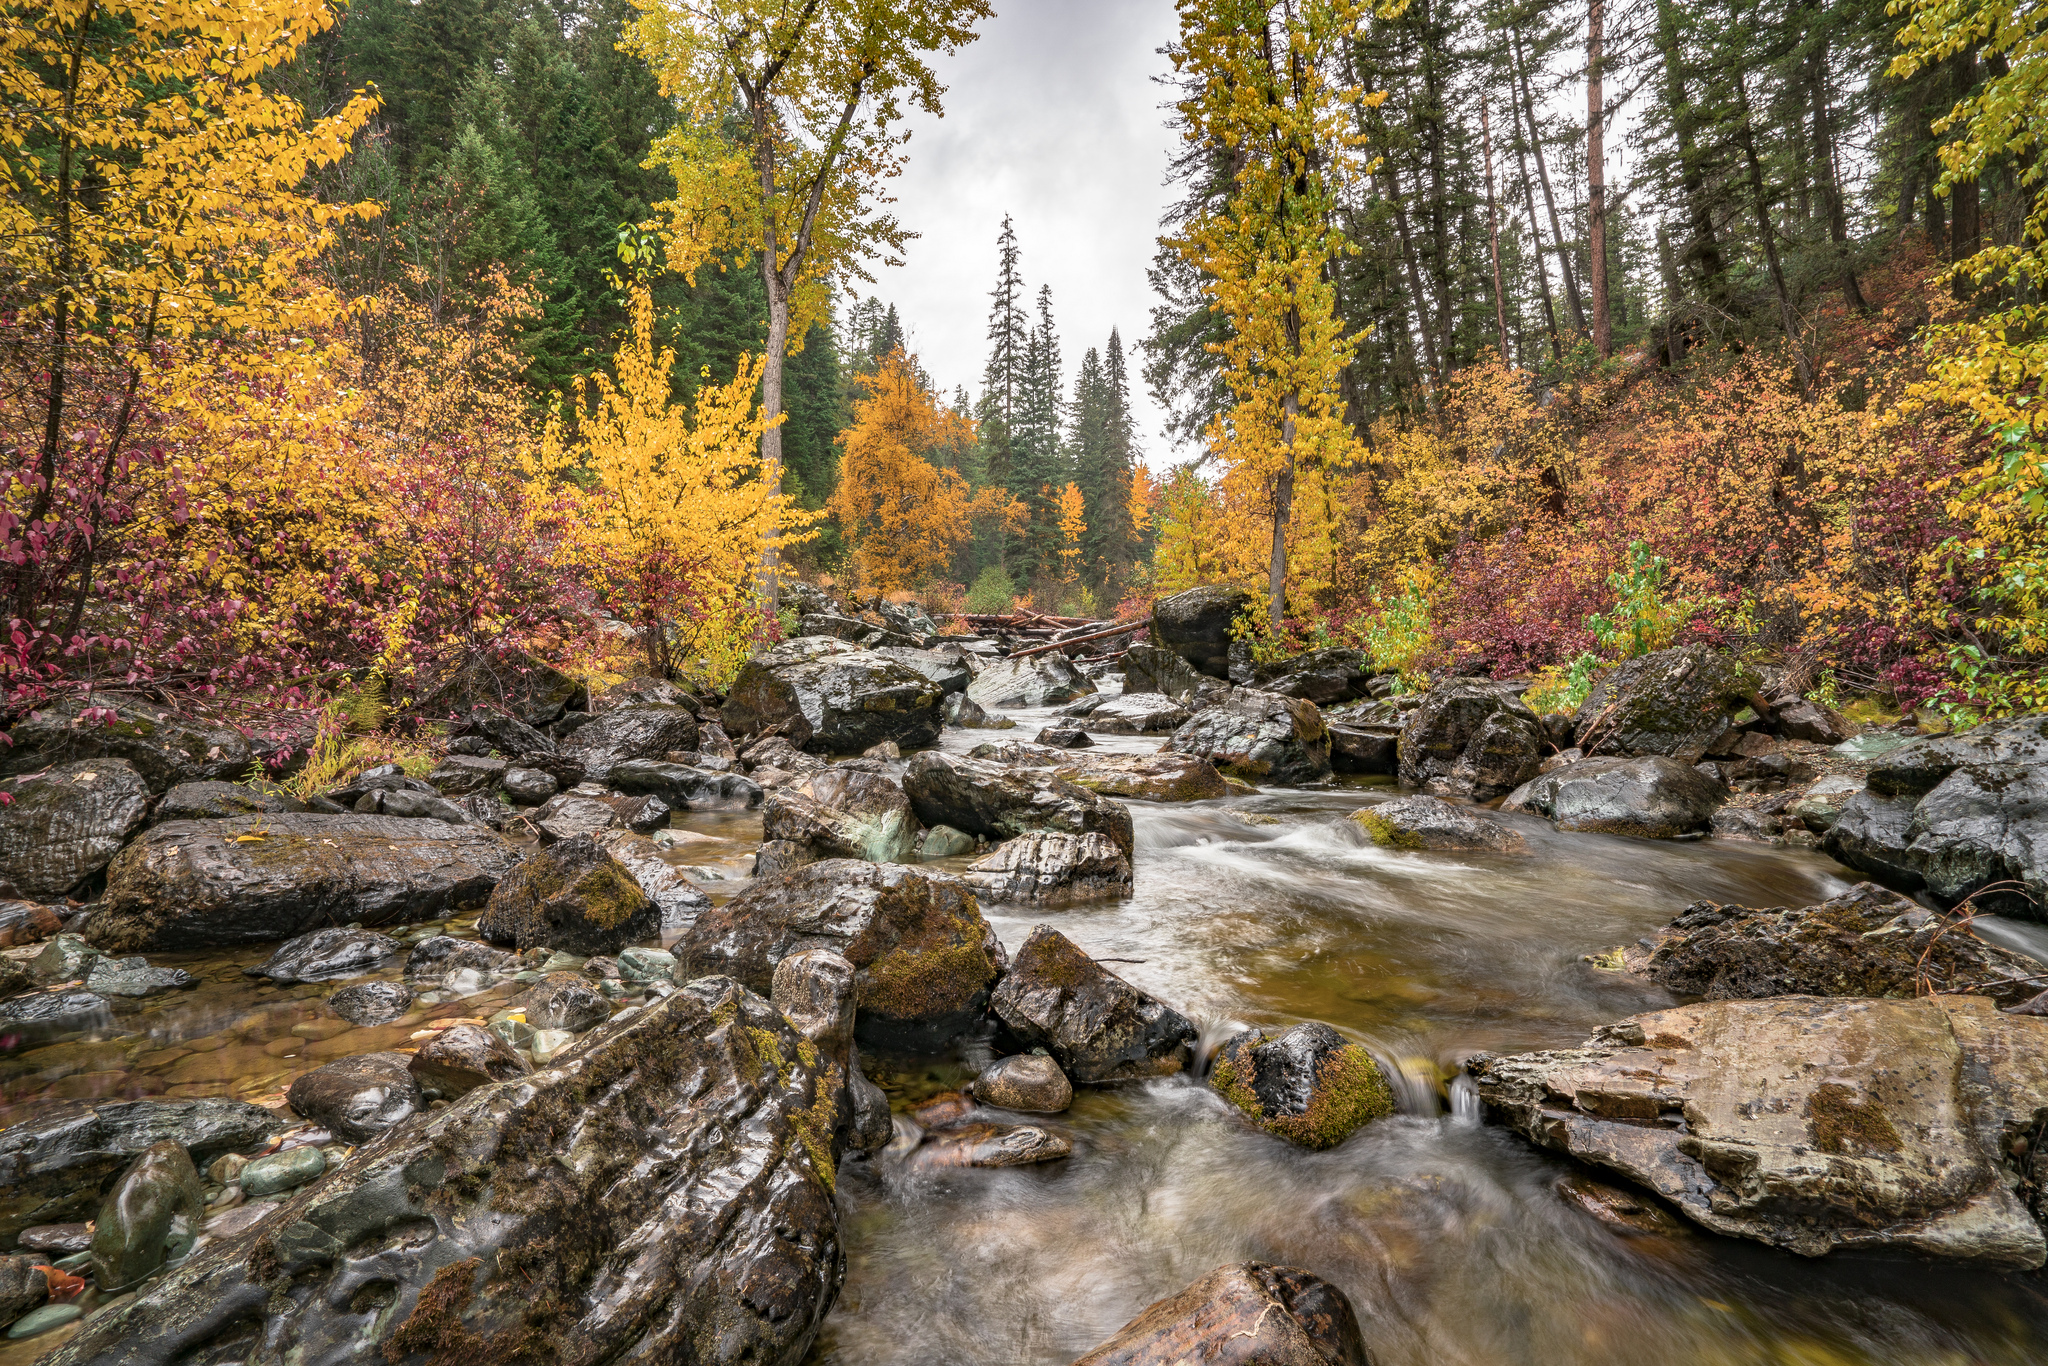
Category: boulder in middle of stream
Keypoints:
(1310, 1085)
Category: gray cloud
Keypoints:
(1053, 118)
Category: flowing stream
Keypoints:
(1458, 1241)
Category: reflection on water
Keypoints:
(1450, 1236)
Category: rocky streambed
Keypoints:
(1042, 1044)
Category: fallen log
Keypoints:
(1121, 629)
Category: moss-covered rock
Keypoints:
(1098, 1027)
(1258, 736)
(1673, 702)
(1428, 823)
(573, 896)
(925, 958)
(1470, 737)
(1309, 1085)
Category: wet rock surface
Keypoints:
(135, 977)
(1196, 625)
(325, 955)
(372, 1003)
(665, 1190)
(358, 1098)
(1031, 1082)
(1258, 736)
(65, 824)
(925, 957)
(1866, 942)
(565, 1000)
(1137, 714)
(573, 896)
(1157, 777)
(1250, 1314)
(54, 1164)
(1036, 681)
(678, 900)
(1096, 1026)
(165, 749)
(1652, 798)
(1470, 738)
(686, 788)
(1672, 702)
(22, 1287)
(1325, 677)
(1049, 868)
(212, 800)
(1808, 1123)
(1001, 802)
(213, 884)
(636, 731)
(442, 954)
(150, 1217)
(1153, 669)
(838, 813)
(463, 1057)
(1429, 823)
(837, 703)
(991, 1145)
(1309, 1085)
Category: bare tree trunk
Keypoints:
(1283, 512)
(1500, 308)
(1414, 280)
(1596, 179)
(1705, 246)
(1964, 228)
(1760, 204)
(1830, 181)
(1536, 237)
(1674, 290)
(1564, 258)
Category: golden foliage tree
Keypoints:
(820, 88)
(667, 506)
(1264, 95)
(1073, 514)
(154, 195)
(904, 515)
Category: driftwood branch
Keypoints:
(1123, 629)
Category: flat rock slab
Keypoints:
(216, 884)
(662, 1193)
(1160, 777)
(1808, 1123)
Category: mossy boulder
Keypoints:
(1196, 624)
(1812, 1124)
(164, 748)
(573, 896)
(1310, 1085)
(1673, 702)
(925, 958)
(1096, 1026)
(256, 879)
(1652, 797)
(662, 1192)
(831, 700)
(1001, 802)
(1430, 823)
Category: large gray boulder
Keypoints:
(1137, 714)
(1324, 677)
(1258, 736)
(834, 702)
(66, 824)
(1197, 624)
(1653, 797)
(1979, 834)
(686, 788)
(642, 730)
(949, 670)
(1161, 776)
(1674, 702)
(55, 1165)
(216, 884)
(925, 958)
(1049, 868)
(212, 800)
(678, 899)
(1919, 766)
(1001, 803)
(1866, 942)
(843, 813)
(1431, 823)
(1154, 669)
(325, 955)
(662, 1192)
(1098, 1027)
(1035, 681)
(1246, 1314)
(1470, 737)
(165, 749)
(1808, 1123)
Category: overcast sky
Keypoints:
(1052, 117)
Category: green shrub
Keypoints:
(991, 592)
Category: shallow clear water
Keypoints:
(1450, 1236)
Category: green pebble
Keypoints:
(74, 1261)
(282, 1171)
(647, 965)
(43, 1320)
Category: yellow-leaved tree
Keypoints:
(904, 515)
(665, 507)
(1264, 94)
(1073, 512)
(819, 89)
(154, 197)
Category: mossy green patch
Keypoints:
(1350, 1092)
(1383, 832)
(1840, 1123)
